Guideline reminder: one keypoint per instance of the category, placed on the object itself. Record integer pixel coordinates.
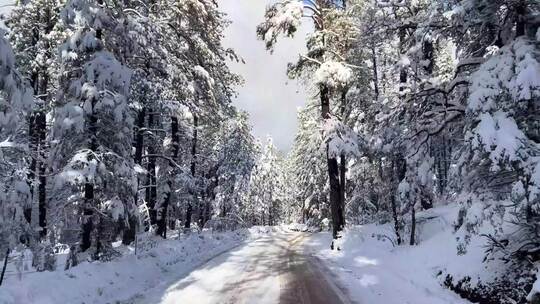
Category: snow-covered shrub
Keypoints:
(501, 160)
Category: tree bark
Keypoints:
(88, 212)
(189, 209)
(4, 267)
(27, 212)
(130, 232)
(413, 226)
(342, 161)
(87, 225)
(393, 203)
(151, 187)
(375, 73)
(336, 207)
(42, 169)
(33, 134)
(162, 219)
(521, 11)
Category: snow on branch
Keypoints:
(19, 95)
(333, 74)
(339, 138)
(280, 18)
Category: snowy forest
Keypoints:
(126, 167)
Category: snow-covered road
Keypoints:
(272, 269)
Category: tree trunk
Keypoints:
(333, 172)
(151, 187)
(335, 197)
(33, 134)
(342, 179)
(189, 209)
(41, 121)
(413, 225)
(4, 267)
(396, 219)
(342, 161)
(393, 203)
(88, 212)
(521, 12)
(41, 129)
(37, 169)
(87, 225)
(27, 211)
(131, 231)
(139, 137)
(162, 214)
(375, 73)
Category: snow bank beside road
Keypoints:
(126, 277)
(374, 271)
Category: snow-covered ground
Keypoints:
(270, 265)
(374, 271)
(244, 274)
(269, 270)
(128, 277)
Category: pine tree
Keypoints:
(16, 103)
(91, 104)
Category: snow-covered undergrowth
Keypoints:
(125, 277)
(374, 270)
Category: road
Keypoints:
(270, 270)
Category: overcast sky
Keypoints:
(268, 95)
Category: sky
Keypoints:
(268, 95)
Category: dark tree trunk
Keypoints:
(4, 267)
(393, 202)
(342, 179)
(89, 203)
(130, 231)
(413, 226)
(427, 49)
(139, 136)
(33, 134)
(37, 169)
(336, 207)
(99, 236)
(151, 187)
(342, 161)
(41, 87)
(41, 124)
(175, 139)
(42, 187)
(189, 209)
(521, 11)
(27, 212)
(375, 73)
(396, 219)
(162, 221)
(335, 197)
(87, 225)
